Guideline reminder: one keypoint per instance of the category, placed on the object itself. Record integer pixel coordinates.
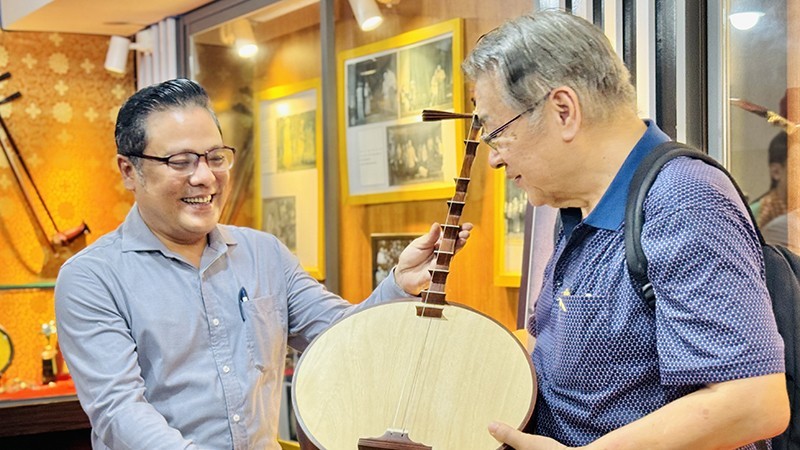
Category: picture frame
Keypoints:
(540, 235)
(386, 249)
(509, 224)
(289, 192)
(387, 153)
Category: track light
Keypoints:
(244, 39)
(118, 47)
(239, 34)
(745, 14)
(745, 20)
(367, 14)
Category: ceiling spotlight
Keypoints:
(239, 34)
(367, 14)
(745, 20)
(244, 40)
(118, 47)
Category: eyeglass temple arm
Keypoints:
(431, 115)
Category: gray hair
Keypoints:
(535, 53)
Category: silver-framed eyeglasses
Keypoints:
(218, 159)
(489, 139)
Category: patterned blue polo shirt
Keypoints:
(604, 359)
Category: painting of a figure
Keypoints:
(296, 141)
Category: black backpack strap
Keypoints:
(641, 182)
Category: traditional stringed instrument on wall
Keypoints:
(416, 374)
(772, 117)
(62, 244)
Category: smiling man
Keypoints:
(174, 326)
(706, 369)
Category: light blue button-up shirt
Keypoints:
(166, 356)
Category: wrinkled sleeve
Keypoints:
(714, 318)
(312, 308)
(102, 358)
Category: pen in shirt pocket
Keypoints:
(243, 298)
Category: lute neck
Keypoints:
(435, 294)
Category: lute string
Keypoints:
(422, 346)
(447, 247)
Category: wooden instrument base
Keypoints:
(440, 362)
(348, 385)
(391, 440)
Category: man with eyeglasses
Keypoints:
(175, 327)
(705, 369)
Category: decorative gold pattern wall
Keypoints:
(63, 126)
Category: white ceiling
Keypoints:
(107, 17)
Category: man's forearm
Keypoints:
(720, 416)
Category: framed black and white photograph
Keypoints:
(427, 77)
(386, 249)
(509, 219)
(280, 218)
(372, 84)
(416, 153)
(387, 153)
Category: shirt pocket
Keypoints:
(580, 344)
(266, 328)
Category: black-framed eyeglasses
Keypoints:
(219, 159)
(489, 139)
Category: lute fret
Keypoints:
(434, 295)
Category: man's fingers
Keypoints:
(507, 435)
(431, 236)
(434, 236)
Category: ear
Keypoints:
(128, 172)
(568, 108)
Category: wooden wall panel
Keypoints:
(293, 56)
(63, 126)
(793, 106)
(471, 278)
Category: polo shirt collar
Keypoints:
(610, 211)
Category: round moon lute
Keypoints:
(408, 375)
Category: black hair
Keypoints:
(130, 132)
(777, 149)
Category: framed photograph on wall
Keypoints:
(509, 224)
(387, 153)
(289, 201)
(538, 245)
(386, 249)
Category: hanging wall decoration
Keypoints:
(387, 153)
(289, 202)
(509, 225)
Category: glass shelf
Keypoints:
(34, 285)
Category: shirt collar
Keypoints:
(137, 236)
(610, 211)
